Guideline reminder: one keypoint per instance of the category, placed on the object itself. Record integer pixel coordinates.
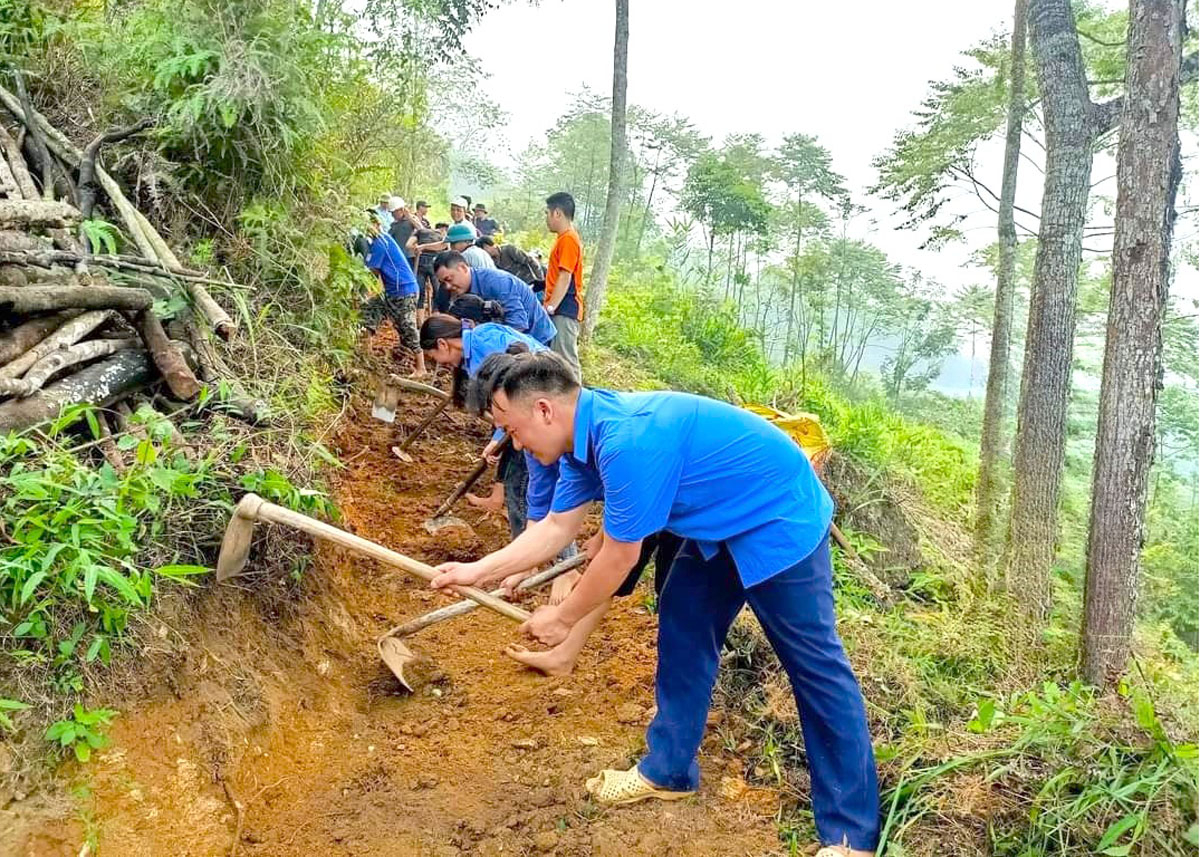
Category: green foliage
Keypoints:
(954, 119)
(85, 545)
(7, 705)
(1102, 790)
(239, 87)
(693, 342)
(1171, 557)
(101, 235)
(74, 532)
(723, 196)
(83, 732)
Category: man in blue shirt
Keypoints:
(521, 308)
(755, 520)
(399, 299)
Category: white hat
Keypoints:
(460, 201)
(396, 202)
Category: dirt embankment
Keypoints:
(279, 733)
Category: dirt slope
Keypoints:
(287, 712)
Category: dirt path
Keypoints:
(292, 717)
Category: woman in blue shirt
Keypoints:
(462, 345)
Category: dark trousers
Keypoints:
(514, 473)
(795, 608)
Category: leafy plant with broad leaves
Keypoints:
(82, 732)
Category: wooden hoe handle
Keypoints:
(265, 511)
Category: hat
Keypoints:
(479, 206)
(459, 232)
(460, 201)
(396, 202)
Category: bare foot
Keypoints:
(549, 663)
(494, 502)
(562, 586)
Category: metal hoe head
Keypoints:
(235, 546)
(386, 399)
(397, 656)
(445, 522)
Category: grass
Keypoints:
(88, 551)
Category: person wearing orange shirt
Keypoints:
(564, 278)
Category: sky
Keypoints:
(849, 73)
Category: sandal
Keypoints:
(618, 788)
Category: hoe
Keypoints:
(397, 655)
(235, 550)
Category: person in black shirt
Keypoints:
(404, 227)
(422, 212)
(430, 242)
(486, 225)
(511, 258)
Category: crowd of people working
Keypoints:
(422, 267)
(728, 507)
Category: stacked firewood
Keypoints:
(77, 326)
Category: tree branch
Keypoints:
(87, 165)
(1094, 40)
(991, 193)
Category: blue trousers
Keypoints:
(795, 608)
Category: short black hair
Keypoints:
(442, 225)
(517, 374)
(448, 259)
(485, 241)
(478, 396)
(564, 202)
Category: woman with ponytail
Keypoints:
(463, 345)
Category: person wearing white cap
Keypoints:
(458, 214)
(404, 228)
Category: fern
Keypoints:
(101, 235)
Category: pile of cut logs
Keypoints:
(77, 326)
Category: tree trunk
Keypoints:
(31, 213)
(56, 361)
(15, 342)
(18, 300)
(712, 237)
(170, 362)
(1042, 410)
(16, 163)
(637, 247)
(38, 142)
(991, 447)
(594, 294)
(66, 335)
(99, 383)
(1148, 171)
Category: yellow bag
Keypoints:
(805, 429)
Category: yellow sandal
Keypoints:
(619, 788)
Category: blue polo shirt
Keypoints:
(521, 308)
(387, 258)
(702, 469)
(482, 341)
(479, 343)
